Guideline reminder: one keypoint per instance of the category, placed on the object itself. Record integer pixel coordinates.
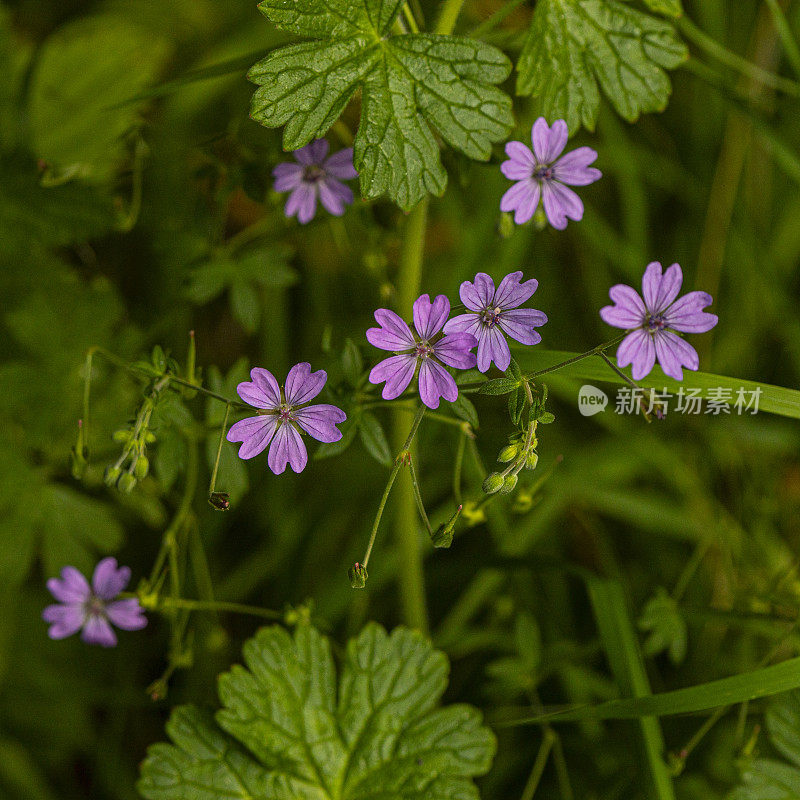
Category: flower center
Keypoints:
(543, 173)
(490, 316)
(95, 607)
(285, 412)
(423, 350)
(654, 323)
(313, 173)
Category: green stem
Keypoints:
(462, 441)
(418, 497)
(448, 17)
(784, 31)
(411, 575)
(734, 61)
(213, 482)
(492, 22)
(538, 766)
(179, 603)
(588, 354)
(398, 462)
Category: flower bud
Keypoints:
(121, 436)
(220, 500)
(493, 483)
(508, 453)
(126, 483)
(443, 535)
(358, 576)
(142, 467)
(112, 476)
(509, 484)
(532, 460)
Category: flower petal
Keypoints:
(492, 346)
(302, 202)
(573, 167)
(302, 384)
(397, 371)
(334, 195)
(72, 587)
(98, 631)
(262, 390)
(548, 142)
(255, 433)
(320, 421)
(127, 614)
(687, 315)
(674, 353)
(429, 317)
(340, 165)
(66, 619)
(287, 448)
(520, 324)
(109, 580)
(637, 348)
(660, 290)
(313, 153)
(560, 204)
(287, 177)
(523, 199)
(628, 311)
(521, 163)
(454, 350)
(464, 323)
(394, 333)
(435, 382)
(478, 294)
(512, 292)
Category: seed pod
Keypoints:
(493, 483)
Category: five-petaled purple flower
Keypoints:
(283, 415)
(421, 349)
(541, 173)
(493, 313)
(315, 176)
(654, 320)
(92, 608)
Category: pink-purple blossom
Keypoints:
(422, 350)
(543, 173)
(314, 177)
(655, 318)
(284, 414)
(93, 609)
(494, 313)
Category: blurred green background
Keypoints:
(131, 215)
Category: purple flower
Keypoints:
(493, 313)
(420, 349)
(316, 176)
(283, 415)
(92, 608)
(654, 320)
(541, 173)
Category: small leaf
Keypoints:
(464, 409)
(289, 729)
(516, 405)
(661, 617)
(498, 386)
(352, 362)
(245, 305)
(574, 45)
(546, 418)
(411, 85)
(670, 8)
(374, 439)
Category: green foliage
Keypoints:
(671, 8)
(410, 84)
(768, 778)
(575, 48)
(665, 626)
(374, 439)
(78, 115)
(288, 729)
